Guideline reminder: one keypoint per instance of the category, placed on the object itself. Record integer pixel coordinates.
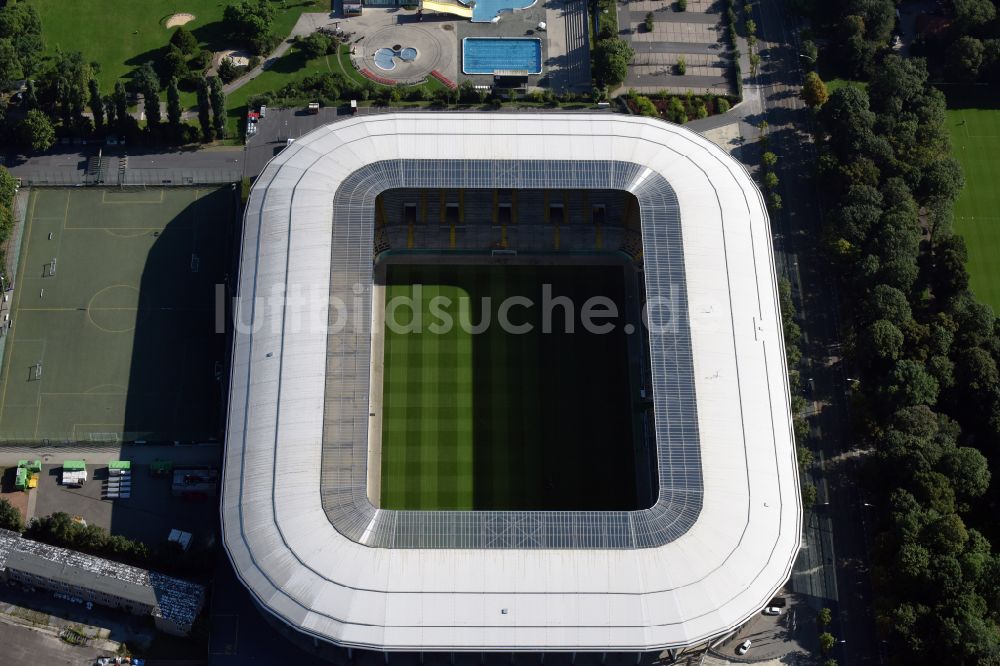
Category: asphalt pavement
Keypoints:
(834, 567)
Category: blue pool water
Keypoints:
(486, 10)
(485, 55)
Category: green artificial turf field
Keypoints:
(499, 420)
(117, 341)
(975, 137)
(122, 34)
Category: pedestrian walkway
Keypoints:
(568, 61)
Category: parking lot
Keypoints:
(148, 515)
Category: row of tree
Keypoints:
(926, 353)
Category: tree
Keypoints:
(909, 383)
(10, 516)
(110, 111)
(964, 57)
(96, 104)
(145, 79)
(648, 23)
(768, 159)
(611, 59)
(10, 64)
(64, 85)
(30, 96)
(174, 108)
(810, 54)
(172, 64)
(35, 131)
(814, 90)
(218, 98)
(826, 642)
(19, 23)
(184, 41)
(882, 340)
(973, 14)
(204, 110)
(681, 66)
(886, 302)
(968, 470)
(228, 71)
(151, 106)
(682, 5)
(250, 22)
(824, 617)
(315, 45)
(121, 104)
(808, 494)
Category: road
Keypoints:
(835, 561)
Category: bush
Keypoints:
(228, 71)
(645, 106)
(681, 66)
(648, 23)
(676, 111)
(200, 61)
(682, 5)
(721, 105)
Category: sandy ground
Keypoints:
(240, 58)
(179, 19)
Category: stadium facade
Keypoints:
(299, 524)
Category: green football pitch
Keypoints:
(975, 137)
(497, 420)
(112, 318)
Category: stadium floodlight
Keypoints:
(315, 549)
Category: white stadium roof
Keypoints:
(297, 523)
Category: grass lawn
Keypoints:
(975, 138)
(501, 420)
(118, 340)
(836, 84)
(121, 35)
(291, 67)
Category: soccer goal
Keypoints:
(50, 269)
(36, 372)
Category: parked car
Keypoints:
(772, 610)
(744, 646)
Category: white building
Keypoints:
(318, 555)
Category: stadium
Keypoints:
(543, 483)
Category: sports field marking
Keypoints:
(155, 197)
(155, 378)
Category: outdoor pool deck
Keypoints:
(488, 55)
(485, 11)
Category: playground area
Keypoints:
(111, 332)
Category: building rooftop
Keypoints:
(316, 553)
(171, 598)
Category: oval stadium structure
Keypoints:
(302, 525)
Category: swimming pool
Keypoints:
(486, 55)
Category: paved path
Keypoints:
(101, 455)
(568, 62)
(307, 24)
